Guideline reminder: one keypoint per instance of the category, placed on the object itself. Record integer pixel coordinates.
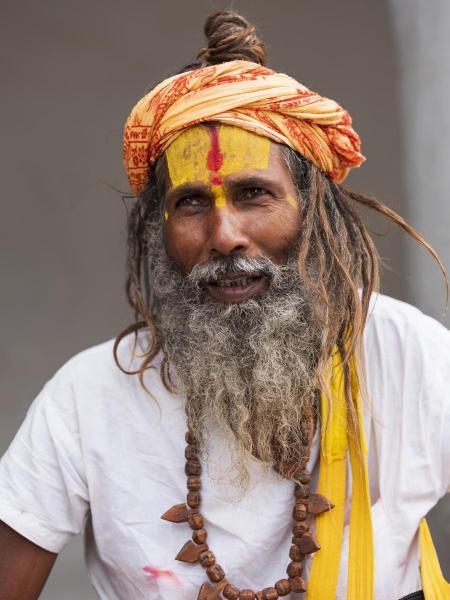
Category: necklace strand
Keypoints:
(196, 550)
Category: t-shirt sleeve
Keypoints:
(43, 491)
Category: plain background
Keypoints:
(70, 73)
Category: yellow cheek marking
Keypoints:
(166, 215)
(292, 201)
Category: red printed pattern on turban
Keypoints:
(246, 95)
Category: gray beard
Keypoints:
(247, 369)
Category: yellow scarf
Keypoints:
(336, 441)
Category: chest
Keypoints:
(250, 533)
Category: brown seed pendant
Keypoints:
(190, 552)
(177, 514)
(211, 592)
(197, 551)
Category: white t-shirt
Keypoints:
(97, 454)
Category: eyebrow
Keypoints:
(245, 182)
(186, 189)
(254, 181)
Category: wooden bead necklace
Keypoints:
(197, 550)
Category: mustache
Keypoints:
(220, 266)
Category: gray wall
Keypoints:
(70, 72)
(422, 42)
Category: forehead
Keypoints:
(206, 153)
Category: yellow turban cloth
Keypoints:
(246, 95)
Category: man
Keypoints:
(251, 276)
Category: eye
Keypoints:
(253, 193)
(189, 201)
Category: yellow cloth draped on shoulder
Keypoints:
(336, 441)
(246, 95)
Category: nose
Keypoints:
(226, 233)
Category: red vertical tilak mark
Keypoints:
(214, 160)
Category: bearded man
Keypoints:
(257, 329)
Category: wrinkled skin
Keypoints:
(243, 203)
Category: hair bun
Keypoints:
(231, 37)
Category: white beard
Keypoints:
(248, 368)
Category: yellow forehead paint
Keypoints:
(207, 154)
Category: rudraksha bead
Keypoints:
(300, 528)
(300, 512)
(199, 536)
(190, 452)
(297, 541)
(297, 585)
(215, 573)
(207, 558)
(295, 554)
(282, 586)
(304, 477)
(301, 491)
(193, 467)
(196, 521)
(194, 483)
(190, 439)
(193, 499)
(295, 568)
(231, 592)
(246, 595)
(269, 593)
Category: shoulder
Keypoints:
(407, 356)
(398, 329)
(401, 314)
(98, 363)
(92, 379)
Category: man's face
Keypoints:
(244, 355)
(229, 193)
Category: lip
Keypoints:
(237, 293)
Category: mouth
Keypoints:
(236, 287)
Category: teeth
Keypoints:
(242, 282)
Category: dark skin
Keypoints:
(24, 566)
(261, 217)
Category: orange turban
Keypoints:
(246, 95)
